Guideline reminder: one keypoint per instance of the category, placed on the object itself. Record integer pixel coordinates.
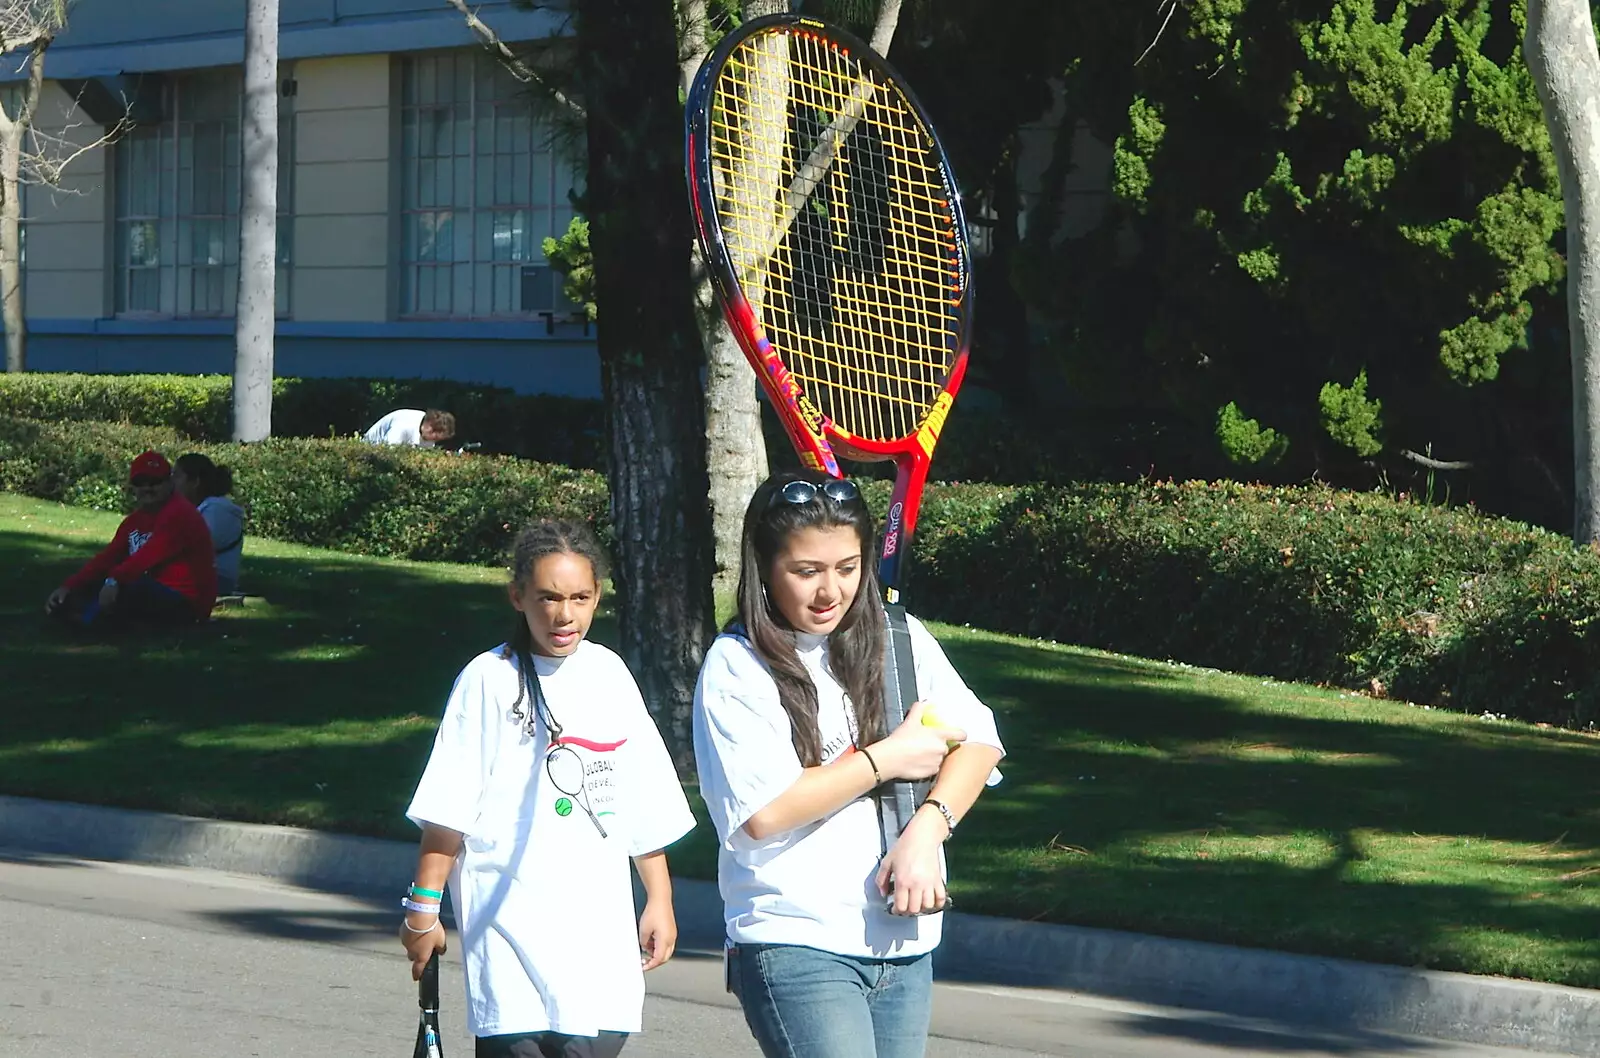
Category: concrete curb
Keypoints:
(1333, 994)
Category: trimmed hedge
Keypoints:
(1438, 605)
(977, 446)
(348, 495)
(563, 430)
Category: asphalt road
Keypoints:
(121, 961)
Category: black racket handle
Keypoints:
(428, 986)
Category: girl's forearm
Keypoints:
(962, 777)
(654, 876)
(436, 857)
(820, 791)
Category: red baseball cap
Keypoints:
(150, 465)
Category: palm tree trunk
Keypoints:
(1560, 51)
(255, 313)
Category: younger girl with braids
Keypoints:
(831, 917)
(547, 773)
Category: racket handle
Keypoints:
(428, 986)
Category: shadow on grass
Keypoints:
(1134, 796)
(1133, 801)
(317, 707)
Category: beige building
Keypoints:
(416, 186)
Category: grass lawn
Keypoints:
(1138, 795)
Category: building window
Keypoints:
(482, 185)
(178, 194)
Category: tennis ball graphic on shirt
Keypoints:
(563, 806)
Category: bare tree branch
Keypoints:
(513, 63)
(27, 27)
(1435, 464)
(1172, 9)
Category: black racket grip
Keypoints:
(428, 986)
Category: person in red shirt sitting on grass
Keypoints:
(157, 570)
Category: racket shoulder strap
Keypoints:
(898, 801)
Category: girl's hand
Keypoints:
(421, 946)
(914, 751)
(658, 934)
(912, 867)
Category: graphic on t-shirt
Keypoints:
(587, 778)
(137, 538)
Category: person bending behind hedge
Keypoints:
(409, 426)
(206, 485)
(157, 570)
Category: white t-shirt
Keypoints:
(544, 904)
(225, 519)
(402, 427)
(814, 885)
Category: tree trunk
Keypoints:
(1001, 300)
(736, 453)
(11, 301)
(650, 353)
(13, 134)
(255, 313)
(1560, 51)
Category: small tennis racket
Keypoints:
(565, 769)
(429, 1042)
(831, 223)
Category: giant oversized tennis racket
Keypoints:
(832, 227)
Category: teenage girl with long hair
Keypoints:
(830, 923)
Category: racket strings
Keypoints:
(834, 209)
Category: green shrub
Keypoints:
(977, 445)
(549, 429)
(1438, 605)
(348, 495)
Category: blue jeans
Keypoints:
(144, 601)
(804, 1003)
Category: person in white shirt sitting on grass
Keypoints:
(412, 426)
(207, 485)
(547, 775)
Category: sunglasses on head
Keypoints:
(802, 492)
(144, 481)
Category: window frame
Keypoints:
(175, 162)
(422, 82)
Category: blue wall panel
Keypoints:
(566, 368)
(106, 37)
